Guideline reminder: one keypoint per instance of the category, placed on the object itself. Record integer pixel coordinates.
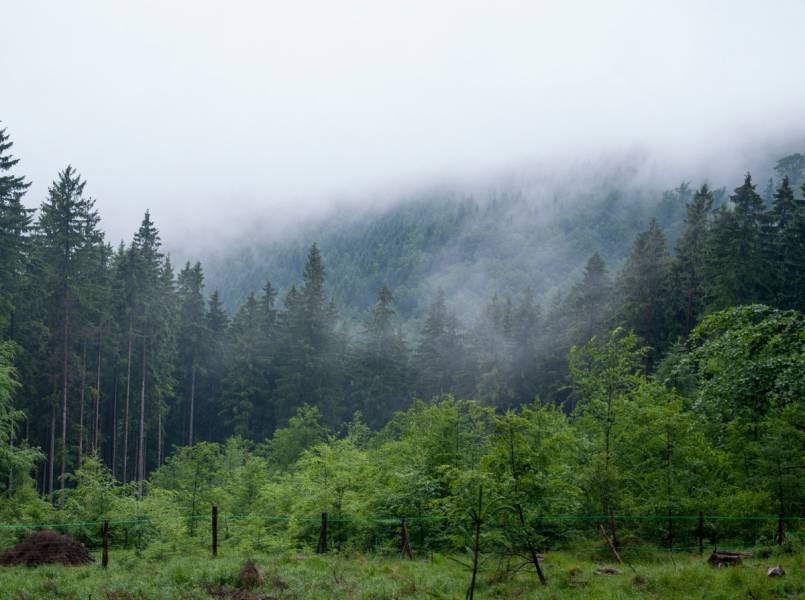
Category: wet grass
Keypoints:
(292, 575)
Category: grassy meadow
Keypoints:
(173, 574)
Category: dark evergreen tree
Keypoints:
(735, 267)
(590, 300)
(192, 338)
(15, 223)
(379, 373)
(69, 242)
(440, 356)
(644, 286)
(688, 270)
(310, 367)
(244, 389)
(785, 248)
(217, 324)
(153, 318)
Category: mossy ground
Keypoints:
(293, 575)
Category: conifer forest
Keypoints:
(576, 382)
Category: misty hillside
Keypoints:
(471, 246)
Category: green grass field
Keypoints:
(292, 575)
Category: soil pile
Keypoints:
(250, 576)
(46, 548)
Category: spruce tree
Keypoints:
(440, 355)
(590, 300)
(191, 340)
(379, 386)
(310, 368)
(68, 241)
(736, 267)
(217, 324)
(689, 264)
(15, 223)
(644, 286)
(785, 248)
(244, 389)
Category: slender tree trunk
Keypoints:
(81, 403)
(520, 513)
(141, 448)
(126, 410)
(192, 401)
(114, 427)
(65, 348)
(11, 469)
(159, 436)
(476, 546)
(52, 458)
(97, 434)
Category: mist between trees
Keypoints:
(672, 386)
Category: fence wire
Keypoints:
(191, 535)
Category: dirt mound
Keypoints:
(44, 548)
(250, 576)
(226, 593)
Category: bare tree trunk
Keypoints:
(97, 434)
(126, 410)
(159, 436)
(114, 428)
(52, 458)
(65, 348)
(81, 403)
(192, 401)
(476, 545)
(141, 447)
(11, 469)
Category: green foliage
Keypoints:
(192, 475)
(302, 405)
(750, 363)
(304, 430)
(16, 459)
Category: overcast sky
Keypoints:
(208, 111)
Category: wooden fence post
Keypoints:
(215, 530)
(670, 532)
(322, 547)
(700, 533)
(406, 543)
(105, 556)
(780, 529)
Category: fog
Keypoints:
(220, 115)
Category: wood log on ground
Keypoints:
(723, 558)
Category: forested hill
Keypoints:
(470, 245)
(117, 352)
